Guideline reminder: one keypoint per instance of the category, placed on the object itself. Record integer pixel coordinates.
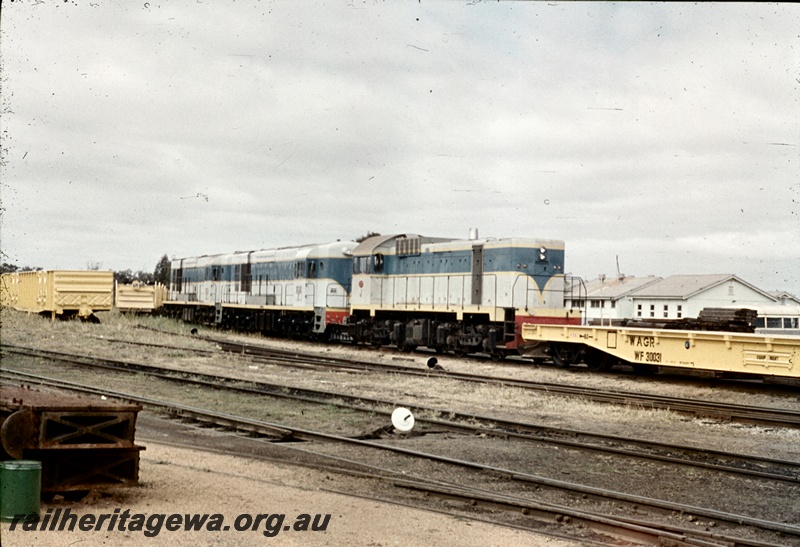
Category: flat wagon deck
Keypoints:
(646, 348)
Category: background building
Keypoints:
(674, 297)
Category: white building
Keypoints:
(607, 299)
(680, 296)
(674, 297)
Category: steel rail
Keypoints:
(546, 514)
(782, 470)
(740, 413)
(583, 490)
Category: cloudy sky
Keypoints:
(664, 136)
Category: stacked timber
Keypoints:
(725, 315)
(709, 319)
(82, 443)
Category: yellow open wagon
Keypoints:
(138, 297)
(60, 293)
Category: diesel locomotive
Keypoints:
(451, 295)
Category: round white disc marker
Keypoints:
(402, 419)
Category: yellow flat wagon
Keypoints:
(61, 293)
(646, 349)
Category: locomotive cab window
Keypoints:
(299, 269)
(312, 270)
(361, 264)
(377, 262)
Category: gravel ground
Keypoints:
(777, 501)
(175, 480)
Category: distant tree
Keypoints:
(143, 277)
(8, 268)
(94, 266)
(369, 235)
(161, 273)
(124, 277)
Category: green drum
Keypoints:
(20, 489)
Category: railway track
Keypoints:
(645, 529)
(731, 412)
(764, 468)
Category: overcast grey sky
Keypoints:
(665, 134)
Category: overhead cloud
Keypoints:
(662, 134)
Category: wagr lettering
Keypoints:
(646, 341)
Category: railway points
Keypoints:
(449, 420)
(650, 513)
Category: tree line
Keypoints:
(159, 275)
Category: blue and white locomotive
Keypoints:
(408, 290)
(287, 291)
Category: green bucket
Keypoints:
(20, 489)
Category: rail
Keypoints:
(594, 495)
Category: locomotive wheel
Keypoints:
(599, 361)
(565, 355)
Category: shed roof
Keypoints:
(686, 286)
(617, 287)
